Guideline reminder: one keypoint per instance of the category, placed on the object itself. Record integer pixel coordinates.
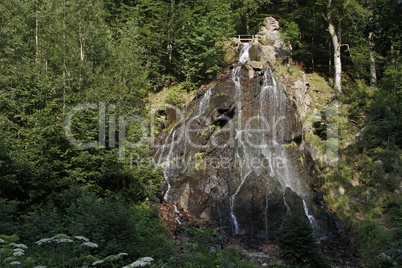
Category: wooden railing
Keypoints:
(245, 37)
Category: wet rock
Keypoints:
(225, 160)
(255, 68)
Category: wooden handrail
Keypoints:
(245, 37)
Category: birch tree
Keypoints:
(336, 13)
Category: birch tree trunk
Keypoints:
(373, 71)
(80, 34)
(36, 32)
(170, 31)
(64, 56)
(337, 50)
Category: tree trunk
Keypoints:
(64, 56)
(170, 31)
(373, 72)
(329, 57)
(81, 41)
(247, 21)
(337, 50)
(36, 33)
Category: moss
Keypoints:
(230, 49)
(199, 157)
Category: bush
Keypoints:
(8, 219)
(203, 253)
(174, 96)
(297, 244)
(373, 239)
(109, 222)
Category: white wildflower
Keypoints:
(90, 245)
(2, 241)
(61, 236)
(142, 262)
(15, 263)
(139, 264)
(97, 262)
(18, 245)
(147, 259)
(18, 252)
(122, 254)
(81, 238)
(44, 240)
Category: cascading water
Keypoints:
(168, 159)
(244, 55)
(168, 152)
(236, 78)
(263, 139)
(260, 118)
(286, 204)
(310, 217)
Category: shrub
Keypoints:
(373, 239)
(174, 96)
(203, 253)
(8, 212)
(108, 222)
(297, 244)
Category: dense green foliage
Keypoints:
(297, 243)
(109, 222)
(203, 253)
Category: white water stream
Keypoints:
(272, 104)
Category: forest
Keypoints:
(97, 64)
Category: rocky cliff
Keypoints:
(235, 155)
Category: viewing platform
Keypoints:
(245, 38)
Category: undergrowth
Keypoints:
(363, 188)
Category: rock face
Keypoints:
(235, 156)
(270, 32)
(225, 159)
(272, 46)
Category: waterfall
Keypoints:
(263, 139)
(244, 55)
(308, 215)
(168, 152)
(236, 77)
(169, 158)
(273, 150)
(177, 212)
(232, 201)
(260, 118)
(286, 204)
(203, 104)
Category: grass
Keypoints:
(173, 95)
